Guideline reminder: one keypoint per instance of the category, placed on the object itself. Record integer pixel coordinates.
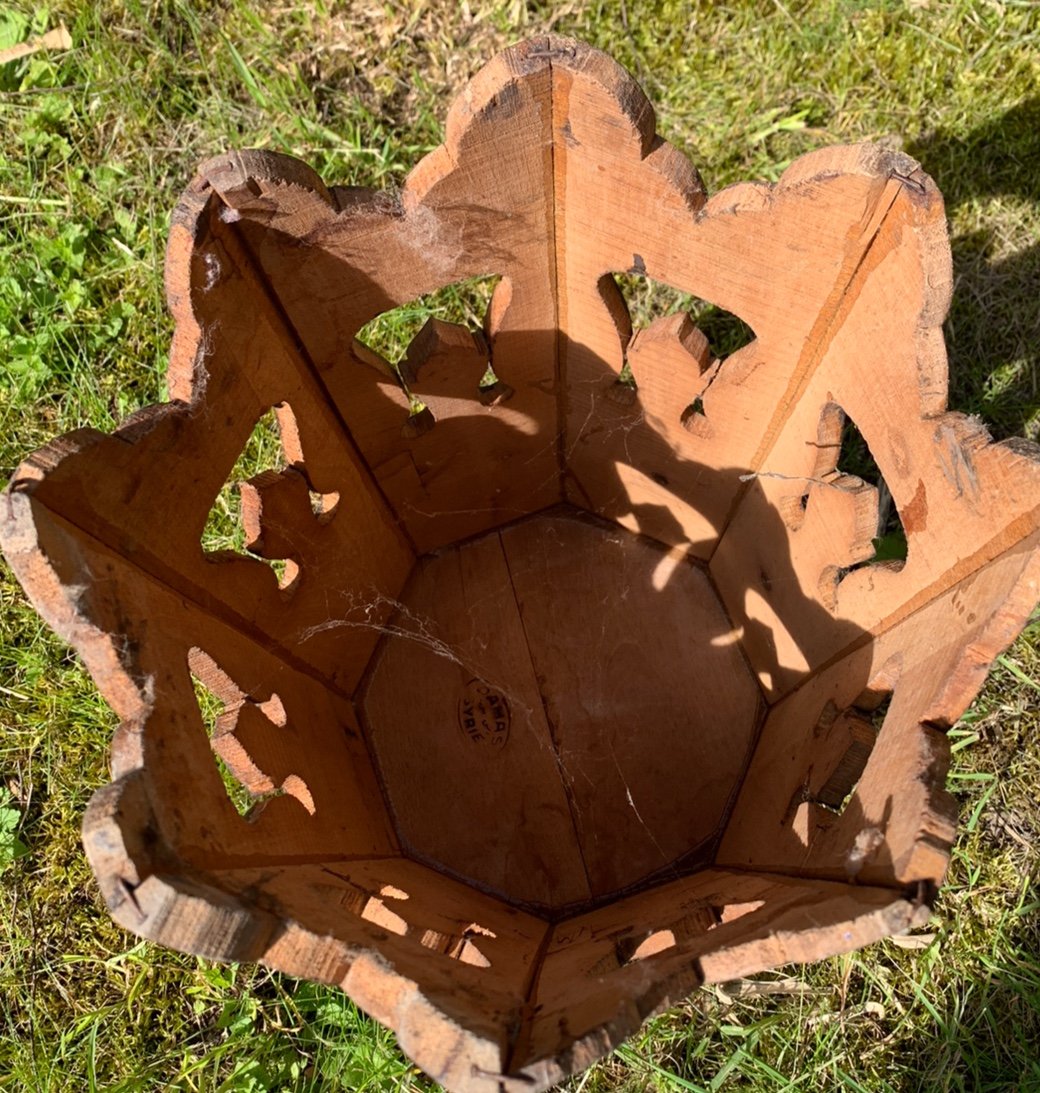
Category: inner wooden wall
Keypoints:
(478, 206)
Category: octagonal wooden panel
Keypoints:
(560, 710)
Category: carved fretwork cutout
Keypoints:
(657, 942)
(648, 300)
(225, 531)
(457, 947)
(392, 909)
(635, 945)
(855, 458)
(212, 708)
(843, 743)
(845, 510)
(492, 389)
(445, 329)
(646, 312)
(248, 738)
(835, 792)
(391, 333)
(277, 512)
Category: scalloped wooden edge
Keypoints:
(149, 893)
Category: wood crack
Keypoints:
(550, 727)
(554, 288)
(823, 333)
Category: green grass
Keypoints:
(390, 333)
(97, 142)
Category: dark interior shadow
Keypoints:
(993, 329)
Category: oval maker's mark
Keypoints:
(484, 714)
